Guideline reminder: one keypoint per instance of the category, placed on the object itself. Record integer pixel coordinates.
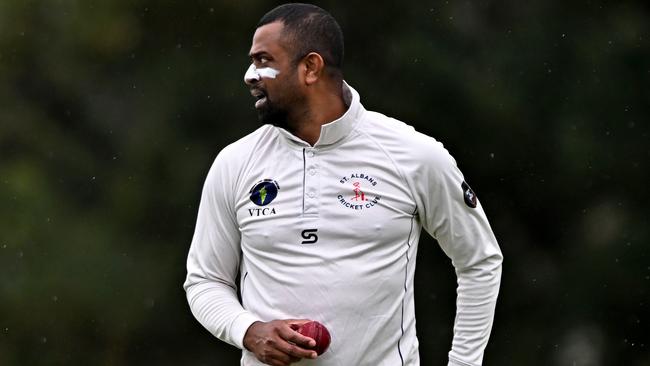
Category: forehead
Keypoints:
(268, 38)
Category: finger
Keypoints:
(278, 358)
(291, 334)
(301, 340)
(295, 351)
(298, 340)
(285, 360)
(296, 322)
(293, 359)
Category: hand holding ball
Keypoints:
(317, 332)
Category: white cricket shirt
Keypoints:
(330, 232)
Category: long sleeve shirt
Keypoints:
(330, 232)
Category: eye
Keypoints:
(264, 59)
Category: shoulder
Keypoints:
(410, 148)
(241, 149)
(233, 157)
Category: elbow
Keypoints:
(492, 259)
(494, 262)
(487, 265)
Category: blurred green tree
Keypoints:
(112, 111)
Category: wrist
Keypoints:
(240, 327)
(249, 336)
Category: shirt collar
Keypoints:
(336, 130)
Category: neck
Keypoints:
(320, 110)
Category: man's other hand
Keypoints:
(277, 342)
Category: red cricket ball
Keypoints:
(317, 332)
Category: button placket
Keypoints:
(312, 183)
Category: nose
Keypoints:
(252, 76)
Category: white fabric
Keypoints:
(357, 279)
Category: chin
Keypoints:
(273, 117)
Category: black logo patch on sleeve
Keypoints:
(468, 195)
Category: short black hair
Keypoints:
(309, 29)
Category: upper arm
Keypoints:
(449, 213)
(215, 250)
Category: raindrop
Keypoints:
(43, 340)
(491, 155)
(55, 298)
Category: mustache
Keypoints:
(258, 92)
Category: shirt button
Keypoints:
(311, 154)
(311, 194)
(312, 171)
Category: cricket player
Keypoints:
(317, 214)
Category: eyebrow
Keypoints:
(258, 54)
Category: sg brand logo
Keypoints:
(310, 236)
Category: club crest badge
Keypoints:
(264, 192)
(359, 193)
(468, 195)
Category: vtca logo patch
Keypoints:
(468, 195)
(264, 192)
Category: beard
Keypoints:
(273, 114)
(282, 112)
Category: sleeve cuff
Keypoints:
(240, 326)
(453, 362)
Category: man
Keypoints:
(319, 213)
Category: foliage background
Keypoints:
(111, 112)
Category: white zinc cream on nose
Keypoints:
(253, 73)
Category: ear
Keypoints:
(314, 67)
